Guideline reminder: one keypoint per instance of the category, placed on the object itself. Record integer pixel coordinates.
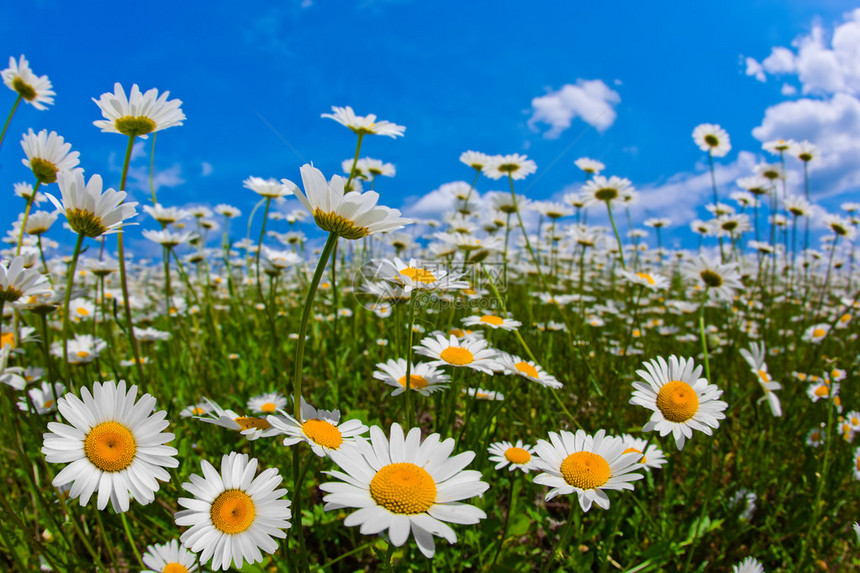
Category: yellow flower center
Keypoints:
(131, 125)
(403, 488)
(855, 421)
(44, 170)
(415, 382)
(494, 320)
(712, 140)
(527, 369)
(518, 456)
(765, 377)
(711, 278)
(585, 470)
(268, 407)
(247, 423)
(323, 433)
(233, 511)
(606, 194)
(84, 222)
(418, 275)
(818, 333)
(341, 226)
(845, 318)
(634, 451)
(646, 277)
(7, 339)
(82, 354)
(25, 90)
(677, 401)
(82, 311)
(822, 391)
(48, 404)
(110, 446)
(174, 568)
(457, 356)
(198, 411)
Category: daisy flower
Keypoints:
(748, 565)
(139, 113)
(515, 165)
(755, 358)
(816, 333)
(652, 456)
(492, 321)
(804, 150)
(599, 188)
(589, 165)
(267, 403)
(233, 515)
(320, 429)
(821, 390)
(585, 465)
(82, 349)
(481, 394)
(650, 281)
(250, 427)
(351, 215)
(469, 352)
(529, 370)
(514, 457)
(172, 557)
(17, 282)
(713, 139)
(363, 125)
(405, 486)
(681, 400)
(35, 90)
(115, 445)
(198, 409)
(40, 222)
(10, 375)
(414, 276)
(167, 238)
(89, 211)
(43, 398)
(708, 273)
(48, 154)
(423, 377)
(856, 464)
(269, 188)
(815, 437)
(475, 159)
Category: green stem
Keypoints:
(617, 236)
(27, 216)
(702, 336)
(9, 119)
(70, 277)
(131, 539)
(260, 248)
(152, 169)
(408, 421)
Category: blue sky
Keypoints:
(459, 76)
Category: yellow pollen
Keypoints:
(634, 451)
(255, 423)
(822, 391)
(48, 404)
(198, 411)
(268, 407)
(174, 568)
(818, 333)
(403, 488)
(646, 277)
(415, 382)
(82, 311)
(585, 470)
(110, 446)
(418, 275)
(458, 332)
(527, 369)
(845, 318)
(494, 320)
(7, 339)
(518, 456)
(233, 511)
(82, 354)
(457, 356)
(765, 377)
(855, 421)
(677, 401)
(323, 433)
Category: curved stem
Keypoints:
(9, 119)
(260, 248)
(617, 236)
(152, 170)
(70, 277)
(704, 339)
(27, 216)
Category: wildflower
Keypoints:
(269, 188)
(115, 445)
(589, 165)
(815, 437)
(320, 429)
(89, 211)
(856, 464)
(250, 427)
(492, 321)
(363, 125)
(82, 349)
(172, 557)
(138, 114)
(233, 514)
(43, 398)
(599, 188)
(351, 215)
(755, 358)
(723, 279)
(821, 389)
(406, 486)
(423, 377)
(514, 165)
(680, 399)
(652, 456)
(481, 394)
(585, 465)
(35, 90)
(805, 151)
(531, 371)
(10, 375)
(40, 222)
(198, 409)
(469, 352)
(713, 139)
(475, 159)
(816, 333)
(17, 282)
(415, 276)
(48, 154)
(514, 457)
(268, 403)
(748, 565)
(648, 280)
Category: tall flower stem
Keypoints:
(44, 262)
(260, 249)
(713, 177)
(617, 236)
(123, 276)
(703, 337)
(9, 119)
(30, 201)
(408, 392)
(827, 274)
(70, 277)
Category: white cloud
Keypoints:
(780, 61)
(590, 100)
(439, 202)
(137, 149)
(138, 178)
(755, 69)
(206, 169)
(788, 90)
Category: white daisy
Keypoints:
(138, 114)
(40, 222)
(233, 515)
(351, 215)
(470, 352)
(713, 139)
(405, 485)
(44, 398)
(89, 211)
(114, 443)
(172, 557)
(599, 188)
(821, 389)
(585, 465)
(10, 375)
(492, 321)
(424, 378)
(755, 357)
(589, 165)
(320, 429)
(267, 403)
(816, 333)
(82, 349)
(748, 565)
(250, 427)
(48, 154)
(527, 369)
(652, 456)
(681, 400)
(648, 280)
(363, 125)
(481, 394)
(514, 457)
(514, 165)
(17, 282)
(475, 159)
(269, 188)
(711, 274)
(35, 90)
(416, 276)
